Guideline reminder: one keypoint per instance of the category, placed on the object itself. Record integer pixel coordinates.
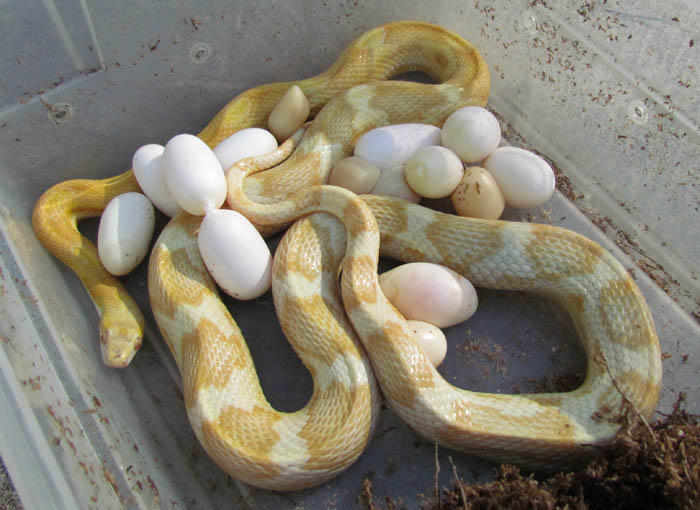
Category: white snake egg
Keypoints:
(125, 232)
(390, 146)
(430, 293)
(148, 170)
(194, 174)
(245, 143)
(478, 196)
(356, 174)
(472, 133)
(392, 182)
(431, 339)
(289, 114)
(526, 180)
(235, 254)
(433, 171)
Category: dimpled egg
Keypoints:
(472, 133)
(433, 171)
(431, 339)
(392, 182)
(245, 143)
(125, 232)
(525, 179)
(235, 254)
(477, 195)
(390, 146)
(355, 174)
(194, 174)
(430, 293)
(148, 170)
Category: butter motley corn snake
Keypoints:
(225, 405)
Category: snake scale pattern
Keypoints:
(349, 337)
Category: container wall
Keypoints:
(607, 91)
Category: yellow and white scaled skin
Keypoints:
(331, 329)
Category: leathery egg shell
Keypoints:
(355, 174)
(472, 133)
(235, 254)
(245, 143)
(478, 196)
(289, 114)
(392, 182)
(389, 146)
(526, 180)
(430, 293)
(125, 232)
(431, 339)
(194, 174)
(433, 171)
(148, 170)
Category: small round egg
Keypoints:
(148, 170)
(478, 196)
(235, 254)
(433, 171)
(125, 232)
(472, 133)
(392, 182)
(289, 114)
(525, 179)
(431, 339)
(430, 293)
(390, 146)
(356, 174)
(245, 143)
(194, 174)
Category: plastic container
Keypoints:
(608, 93)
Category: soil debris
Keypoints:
(647, 466)
(644, 468)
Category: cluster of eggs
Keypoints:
(462, 160)
(187, 175)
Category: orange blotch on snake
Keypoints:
(210, 356)
(251, 431)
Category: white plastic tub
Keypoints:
(607, 91)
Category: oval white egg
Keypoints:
(235, 254)
(125, 232)
(245, 143)
(433, 171)
(392, 182)
(431, 339)
(430, 293)
(148, 170)
(526, 180)
(389, 146)
(472, 133)
(194, 174)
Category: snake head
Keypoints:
(119, 341)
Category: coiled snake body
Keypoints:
(225, 404)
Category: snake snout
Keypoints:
(118, 346)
